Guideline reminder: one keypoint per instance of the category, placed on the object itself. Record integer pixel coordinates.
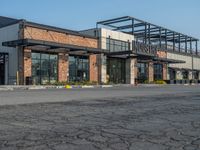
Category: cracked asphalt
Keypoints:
(134, 122)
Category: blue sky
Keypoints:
(179, 15)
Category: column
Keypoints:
(63, 67)
(103, 68)
(164, 71)
(27, 68)
(93, 68)
(151, 72)
(131, 70)
(190, 74)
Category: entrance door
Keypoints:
(116, 70)
(2, 68)
(172, 74)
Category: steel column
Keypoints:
(160, 38)
(186, 44)
(196, 48)
(173, 41)
(166, 39)
(179, 43)
(190, 45)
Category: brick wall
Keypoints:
(63, 67)
(93, 68)
(164, 71)
(53, 36)
(162, 54)
(27, 64)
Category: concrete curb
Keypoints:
(11, 88)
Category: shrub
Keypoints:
(159, 82)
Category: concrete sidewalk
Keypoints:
(40, 87)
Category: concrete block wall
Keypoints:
(106, 33)
(191, 62)
(187, 59)
(196, 63)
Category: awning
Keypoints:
(167, 60)
(133, 54)
(184, 69)
(189, 69)
(46, 45)
(175, 68)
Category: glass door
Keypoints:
(116, 70)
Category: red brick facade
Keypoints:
(151, 72)
(93, 68)
(63, 66)
(53, 36)
(162, 54)
(59, 37)
(164, 71)
(27, 64)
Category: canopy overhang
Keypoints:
(167, 60)
(51, 46)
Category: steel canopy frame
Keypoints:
(149, 33)
(51, 46)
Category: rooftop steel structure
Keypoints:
(151, 34)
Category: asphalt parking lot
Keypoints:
(122, 118)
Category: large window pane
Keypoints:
(78, 68)
(35, 55)
(142, 72)
(44, 68)
(116, 45)
(158, 71)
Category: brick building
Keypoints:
(46, 54)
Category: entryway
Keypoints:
(3, 58)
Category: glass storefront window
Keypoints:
(196, 75)
(158, 71)
(78, 68)
(44, 68)
(116, 45)
(142, 72)
(172, 74)
(185, 75)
